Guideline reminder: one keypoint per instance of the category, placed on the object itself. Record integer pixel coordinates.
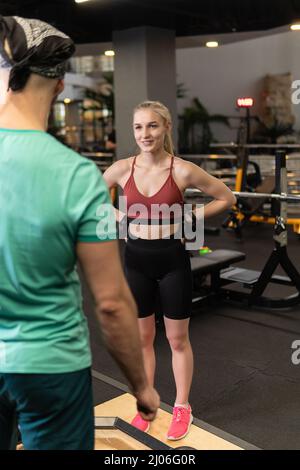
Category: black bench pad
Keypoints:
(215, 261)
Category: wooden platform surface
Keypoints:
(124, 407)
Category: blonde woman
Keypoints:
(156, 261)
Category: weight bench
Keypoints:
(211, 264)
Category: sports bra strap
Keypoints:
(134, 159)
(132, 166)
(171, 166)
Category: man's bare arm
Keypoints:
(117, 315)
(112, 177)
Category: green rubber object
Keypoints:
(204, 250)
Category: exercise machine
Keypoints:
(255, 282)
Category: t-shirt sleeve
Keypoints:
(90, 205)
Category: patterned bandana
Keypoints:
(32, 46)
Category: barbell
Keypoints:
(240, 194)
(277, 197)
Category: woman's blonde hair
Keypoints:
(165, 114)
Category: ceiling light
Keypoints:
(109, 53)
(67, 101)
(295, 26)
(212, 44)
(81, 1)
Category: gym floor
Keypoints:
(244, 381)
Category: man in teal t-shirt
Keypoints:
(49, 201)
(55, 211)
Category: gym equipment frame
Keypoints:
(257, 281)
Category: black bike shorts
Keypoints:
(159, 269)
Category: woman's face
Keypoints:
(149, 130)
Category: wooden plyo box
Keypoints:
(124, 407)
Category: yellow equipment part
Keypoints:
(113, 193)
(239, 179)
(269, 220)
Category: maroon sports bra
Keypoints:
(148, 208)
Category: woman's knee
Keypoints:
(147, 339)
(178, 342)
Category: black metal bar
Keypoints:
(264, 277)
(242, 297)
(244, 194)
(140, 436)
(248, 125)
(285, 302)
(280, 165)
(280, 162)
(279, 197)
(103, 423)
(215, 280)
(290, 269)
(254, 146)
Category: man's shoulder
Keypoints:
(64, 155)
(59, 148)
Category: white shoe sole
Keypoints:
(171, 438)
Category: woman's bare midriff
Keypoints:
(152, 232)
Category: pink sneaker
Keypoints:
(140, 423)
(181, 422)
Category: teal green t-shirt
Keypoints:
(50, 199)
